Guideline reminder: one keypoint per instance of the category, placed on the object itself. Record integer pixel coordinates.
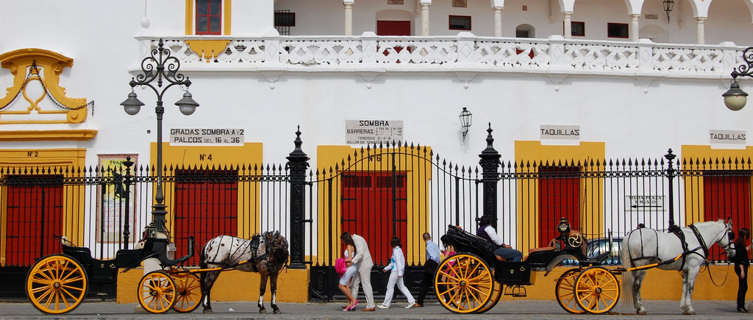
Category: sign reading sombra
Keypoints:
(560, 132)
(373, 131)
(727, 136)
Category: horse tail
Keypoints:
(627, 276)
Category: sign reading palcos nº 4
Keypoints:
(198, 136)
(373, 131)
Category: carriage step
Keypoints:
(516, 291)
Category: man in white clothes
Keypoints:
(364, 262)
(397, 267)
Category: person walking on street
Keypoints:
(432, 262)
(362, 258)
(397, 270)
(742, 247)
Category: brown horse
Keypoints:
(266, 254)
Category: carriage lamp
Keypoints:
(159, 72)
(735, 98)
(465, 121)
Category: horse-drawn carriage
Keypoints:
(58, 283)
(473, 280)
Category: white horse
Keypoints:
(646, 246)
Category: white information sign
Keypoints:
(643, 202)
(727, 136)
(373, 131)
(560, 132)
(198, 136)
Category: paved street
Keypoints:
(504, 310)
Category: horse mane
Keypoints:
(278, 248)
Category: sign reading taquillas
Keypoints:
(727, 136)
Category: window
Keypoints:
(208, 16)
(525, 31)
(460, 23)
(577, 28)
(460, 4)
(617, 30)
(284, 20)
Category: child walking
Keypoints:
(350, 252)
(397, 267)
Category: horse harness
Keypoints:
(685, 251)
(252, 247)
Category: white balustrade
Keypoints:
(464, 52)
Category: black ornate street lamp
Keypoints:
(161, 67)
(735, 98)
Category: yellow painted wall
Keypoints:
(694, 203)
(230, 286)
(221, 157)
(73, 208)
(527, 189)
(330, 156)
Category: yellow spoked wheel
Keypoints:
(565, 291)
(156, 292)
(188, 289)
(56, 284)
(463, 283)
(597, 290)
(496, 296)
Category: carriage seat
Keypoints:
(82, 254)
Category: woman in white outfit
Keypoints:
(397, 265)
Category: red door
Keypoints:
(206, 205)
(559, 196)
(393, 28)
(726, 194)
(367, 210)
(35, 218)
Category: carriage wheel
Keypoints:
(496, 296)
(156, 292)
(463, 283)
(597, 290)
(564, 290)
(188, 288)
(56, 284)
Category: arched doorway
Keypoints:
(525, 31)
(654, 33)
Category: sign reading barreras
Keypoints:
(197, 136)
(373, 131)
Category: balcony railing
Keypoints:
(465, 52)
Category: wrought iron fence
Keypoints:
(383, 191)
(107, 208)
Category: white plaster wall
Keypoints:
(252, 17)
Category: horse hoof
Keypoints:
(262, 310)
(275, 309)
(689, 313)
(642, 313)
(207, 310)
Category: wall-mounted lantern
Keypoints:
(465, 121)
(668, 6)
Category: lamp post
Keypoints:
(735, 98)
(160, 67)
